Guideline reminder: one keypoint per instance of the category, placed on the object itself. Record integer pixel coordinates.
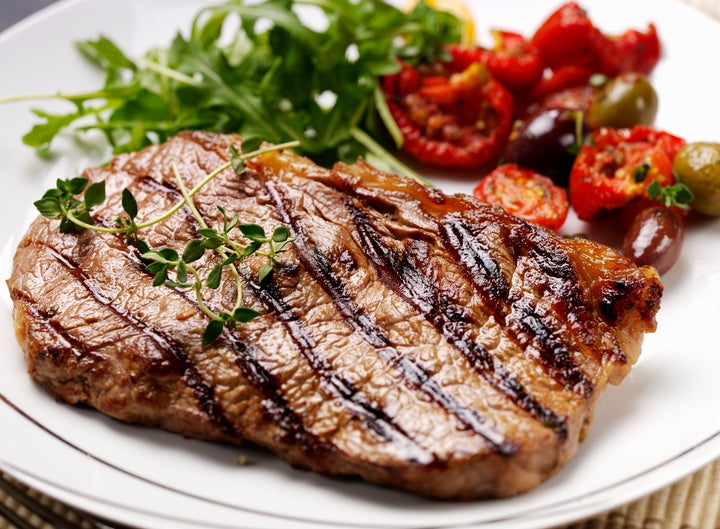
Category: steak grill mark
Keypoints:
(66, 344)
(246, 355)
(525, 325)
(277, 405)
(337, 386)
(179, 363)
(405, 278)
(318, 265)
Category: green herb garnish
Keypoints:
(678, 194)
(72, 202)
(574, 149)
(641, 171)
(273, 76)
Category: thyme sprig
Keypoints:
(73, 200)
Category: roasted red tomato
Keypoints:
(567, 87)
(525, 194)
(633, 51)
(569, 37)
(615, 167)
(450, 118)
(513, 60)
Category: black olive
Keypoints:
(655, 238)
(547, 143)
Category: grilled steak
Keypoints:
(418, 340)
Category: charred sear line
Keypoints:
(555, 274)
(246, 355)
(65, 344)
(560, 276)
(274, 403)
(375, 418)
(482, 268)
(407, 278)
(518, 314)
(362, 323)
(179, 363)
(552, 352)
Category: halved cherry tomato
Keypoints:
(512, 60)
(450, 118)
(616, 166)
(525, 194)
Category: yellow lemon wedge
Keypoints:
(455, 7)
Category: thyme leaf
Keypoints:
(72, 201)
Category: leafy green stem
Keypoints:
(211, 176)
(167, 72)
(74, 98)
(70, 215)
(197, 286)
(187, 197)
(386, 117)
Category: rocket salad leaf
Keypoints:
(263, 70)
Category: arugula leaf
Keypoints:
(105, 54)
(42, 134)
(264, 80)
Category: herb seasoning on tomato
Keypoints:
(450, 118)
(525, 194)
(616, 166)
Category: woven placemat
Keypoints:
(691, 503)
(711, 7)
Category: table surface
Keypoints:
(12, 11)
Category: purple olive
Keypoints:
(546, 143)
(655, 238)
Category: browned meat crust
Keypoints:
(417, 340)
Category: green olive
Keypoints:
(624, 101)
(697, 165)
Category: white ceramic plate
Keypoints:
(660, 424)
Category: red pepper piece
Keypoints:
(567, 87)
(450, 118)
(512, 60)
(633, 51)
(567, 37)
(615, 167)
